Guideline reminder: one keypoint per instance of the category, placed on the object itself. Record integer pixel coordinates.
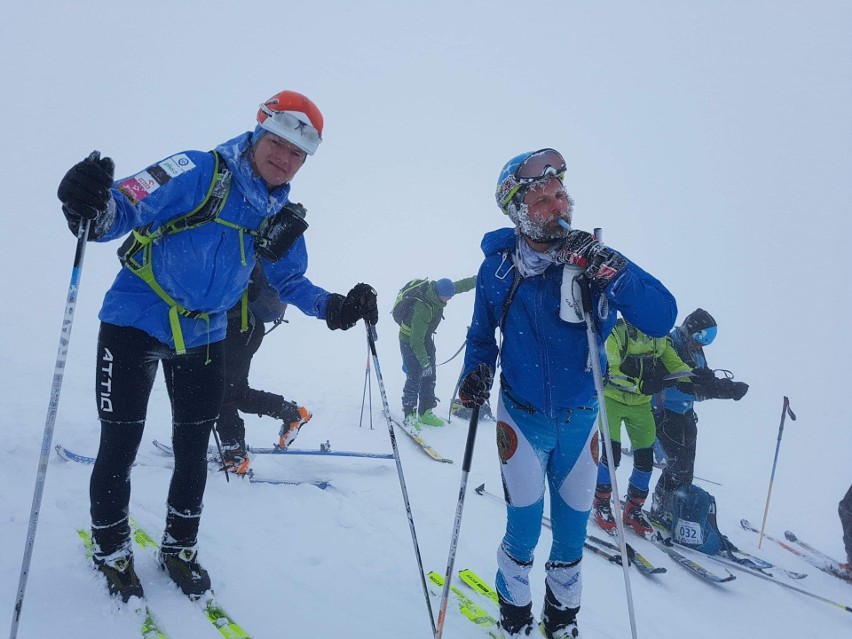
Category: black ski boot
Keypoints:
(515, 621)
(186, 572)
(557, 621)
(121, 576)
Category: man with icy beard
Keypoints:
(547, 406)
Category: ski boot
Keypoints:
(122, 580)
(515, 621)
(183, 568)
(235, 457)
(290, 428)
(661, 508)
(603, 508)
(635, 519)
(558, 621)
(431, 419)
(412, 419)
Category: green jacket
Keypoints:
(426, 314)
(641, 355)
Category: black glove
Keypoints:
(600, 263)
(84, 193)
(651, 385)
(359, 303)
(729, 389)
(473, 391)
(702, 383)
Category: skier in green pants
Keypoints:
(638, 368)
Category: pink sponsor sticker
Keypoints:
(132, 189)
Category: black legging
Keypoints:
(677, 435)
(126, 368)
(240, 348)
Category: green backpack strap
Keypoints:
(140, 244)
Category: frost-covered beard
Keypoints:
(537, 231)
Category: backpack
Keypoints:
(694, 520)
(404, 304)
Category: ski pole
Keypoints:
(367, 385)
(456, 354)
(53, 406)
(785, 410)
(454, 539)
(597, 374)
(371, 342)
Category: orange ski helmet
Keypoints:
(294, 117)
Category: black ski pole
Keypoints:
(785, 410)
(367, 385)
(454, 539)
(371, 342)
(53, 406)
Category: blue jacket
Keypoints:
(201, 268)
(544, 360)
(674, 398)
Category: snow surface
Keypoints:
(710, 141)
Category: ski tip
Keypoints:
(480, 489)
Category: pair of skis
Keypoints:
(417, 438)
(150, 626)
(468, 608)
(252, 478)
(642, 564)
(806, 552)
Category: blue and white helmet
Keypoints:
(520, 174)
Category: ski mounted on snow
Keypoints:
(667, 546)
(150, 628)
(470, 610)
(806, 552)
(594, 544)
(70, 456)
(323, 451)
(418, 439)
(730, 555)
(212, 610)
(833, 564)
(478, 584)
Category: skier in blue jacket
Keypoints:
(200, 222)
(547, 408)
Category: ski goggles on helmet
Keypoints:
(705, 336)
(533, 168)
(287, 125)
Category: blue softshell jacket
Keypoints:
(544, 359)
(203, 268)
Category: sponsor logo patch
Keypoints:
(176, 164)
(507, 441)
(593, 446)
